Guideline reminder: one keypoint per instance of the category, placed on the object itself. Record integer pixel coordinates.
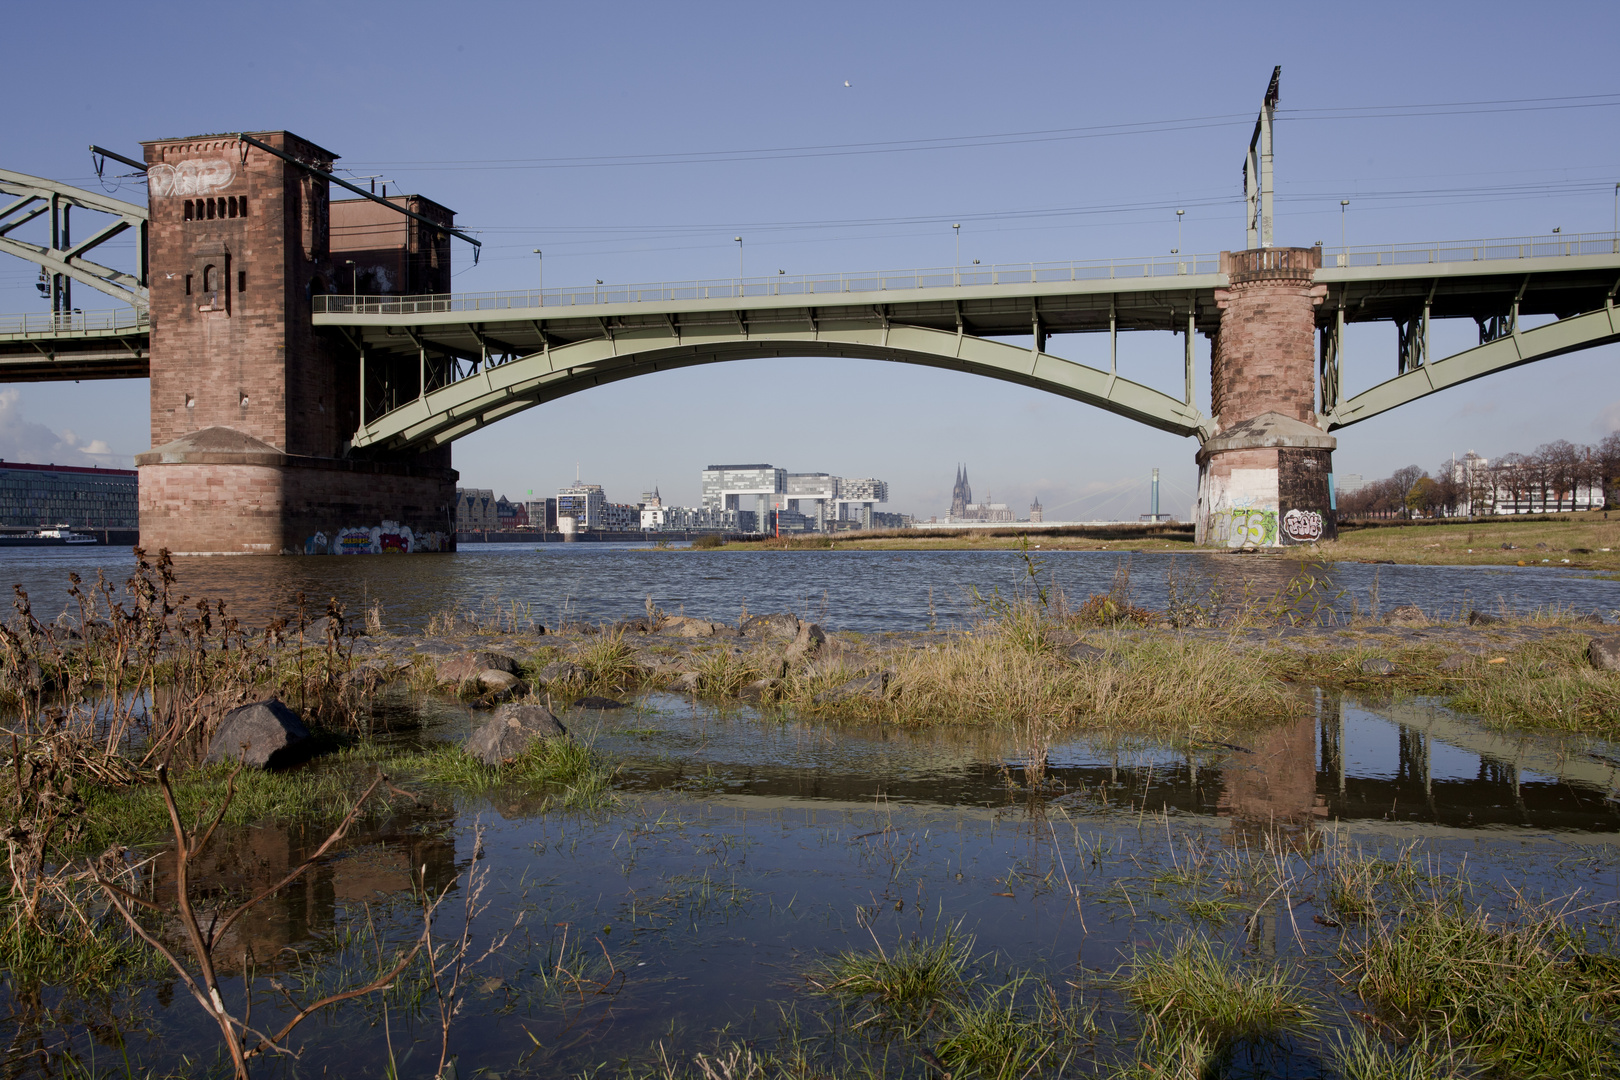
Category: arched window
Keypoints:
(210, 278)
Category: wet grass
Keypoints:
(1002, 675)
(903, 984)
(563, 773)
(1527, 1000)
(71, 943)
(1546, 683)
(1195, 989)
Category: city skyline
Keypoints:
(875, 175)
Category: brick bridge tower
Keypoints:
(1265, 478)
(251, 406)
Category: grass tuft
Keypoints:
(904, 984)
(1194, 988)
(1530, 1002)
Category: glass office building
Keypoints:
(36, 495)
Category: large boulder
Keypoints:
(1604, 653)
(262, 734)
(809, 640)
(561, 671)
(873, 687)
(465, 666)
(498, 684)
(511, 731)
(1081, 653)
(685, 626)
(779, 625)
(1407, 615)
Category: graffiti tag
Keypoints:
(1302, 525)
(1252, 528)
(194, 176)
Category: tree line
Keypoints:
(1556, 476)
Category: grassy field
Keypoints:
(1586, 540)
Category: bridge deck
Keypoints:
(1553, 275)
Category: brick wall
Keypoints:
(238, 245)
(277, 509)
(1264, 356)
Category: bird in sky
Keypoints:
(846, 82)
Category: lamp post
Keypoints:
(1617, 217)
(1179, 214)
(1343, 205)
(354, 277)
(957, 228)
(541, 259)
(738, 239)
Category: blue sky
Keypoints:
(632, 141)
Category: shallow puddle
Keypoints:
(747, 848)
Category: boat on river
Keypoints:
(46, 537)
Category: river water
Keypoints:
(849, 590)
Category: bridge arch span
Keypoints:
(497, 391)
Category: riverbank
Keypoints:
(1584, 541)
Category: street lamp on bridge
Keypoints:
(540, 257)
(1343, 205)
(957, 228)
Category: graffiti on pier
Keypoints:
(389, 538)
(1243, 527)
(1302, 526)
(195, 176)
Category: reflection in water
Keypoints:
(1350, 760)
(379, 860)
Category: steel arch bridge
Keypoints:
(436, 368)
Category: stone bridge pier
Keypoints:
(1265, 477)
(251, 407)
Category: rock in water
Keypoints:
(1604, 653)
(262, 734)
(806, 644)
(460, 668)
(1408, 615)
(596, 702)
(511, 731)
(779, 625)
(561, 671)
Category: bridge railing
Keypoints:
(948, 277)
(1556, 245)
(50, 324)
(806, 285)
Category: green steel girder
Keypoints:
(35, 196)
(448, 413)
(1585, 331)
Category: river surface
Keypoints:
(849, 590)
